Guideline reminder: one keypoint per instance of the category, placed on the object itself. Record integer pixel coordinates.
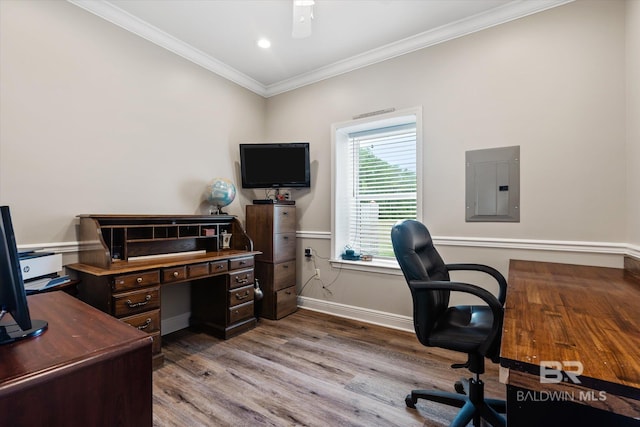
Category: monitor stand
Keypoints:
(10, 332)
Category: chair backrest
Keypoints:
(419, 260)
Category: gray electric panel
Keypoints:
(493, 185)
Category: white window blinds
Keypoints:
(381, 184)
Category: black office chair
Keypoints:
(475, 330)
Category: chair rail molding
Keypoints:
(480, 242)
(505, 243)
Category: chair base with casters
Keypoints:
(468, 397)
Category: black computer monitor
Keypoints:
(13, 298)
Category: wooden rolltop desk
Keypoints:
(125, 260)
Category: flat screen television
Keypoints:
(13, 298)
(275, 165)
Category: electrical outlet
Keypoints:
(286, 195)
(317, 273)
(308, 252)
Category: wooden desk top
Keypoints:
(77, 333)
(561, 312)
(121, 267)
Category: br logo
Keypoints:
(553, 371)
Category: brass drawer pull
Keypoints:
(241, 297)
(219, 267)
(138, 304)
(245, 280)
(242, 262)
(145, 325)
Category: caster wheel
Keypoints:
(410, 402)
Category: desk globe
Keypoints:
(220, 193)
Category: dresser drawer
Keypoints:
(137, 280)
(240, 295)
(240, 312)
(284, 219)
(284, 275)
(147, 322)
(136, 301)
(284, 247)
(240, 278)
(286, 302)
(198, 270)
(174, 274)
(238, 263)
(218, 267)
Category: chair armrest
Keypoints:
(502, 282)
(494, 304)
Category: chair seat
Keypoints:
(462, 328)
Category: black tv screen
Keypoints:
(275, 165)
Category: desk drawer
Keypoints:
(174, 274)
(286, 302)
(240, 295)
(156, 345)
(284, 219)
(240, 278)
(284, 275)
(284, 247)
(136, 280)
(136, 301)
(240, 312)
(238, 263)
(198, 270)
(147, 322)
(219, 267)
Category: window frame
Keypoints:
(339, 165)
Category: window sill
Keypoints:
(381, 266)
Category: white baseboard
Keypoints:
(175, 323)
(381, 318)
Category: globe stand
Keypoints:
(217, 210)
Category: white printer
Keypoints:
(38, 264)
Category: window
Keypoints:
(376, 181)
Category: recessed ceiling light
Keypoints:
(264, 43)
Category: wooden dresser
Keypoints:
(86, 369)
(126, 259)
(273, 230)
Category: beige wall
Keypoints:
(553, 83)
(95, 119)
(633, 121)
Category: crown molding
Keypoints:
(509, 12)
(125, 20)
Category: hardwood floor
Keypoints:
(308, 369)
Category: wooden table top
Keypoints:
(561, 312)
(77, 333)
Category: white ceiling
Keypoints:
(221, 35)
